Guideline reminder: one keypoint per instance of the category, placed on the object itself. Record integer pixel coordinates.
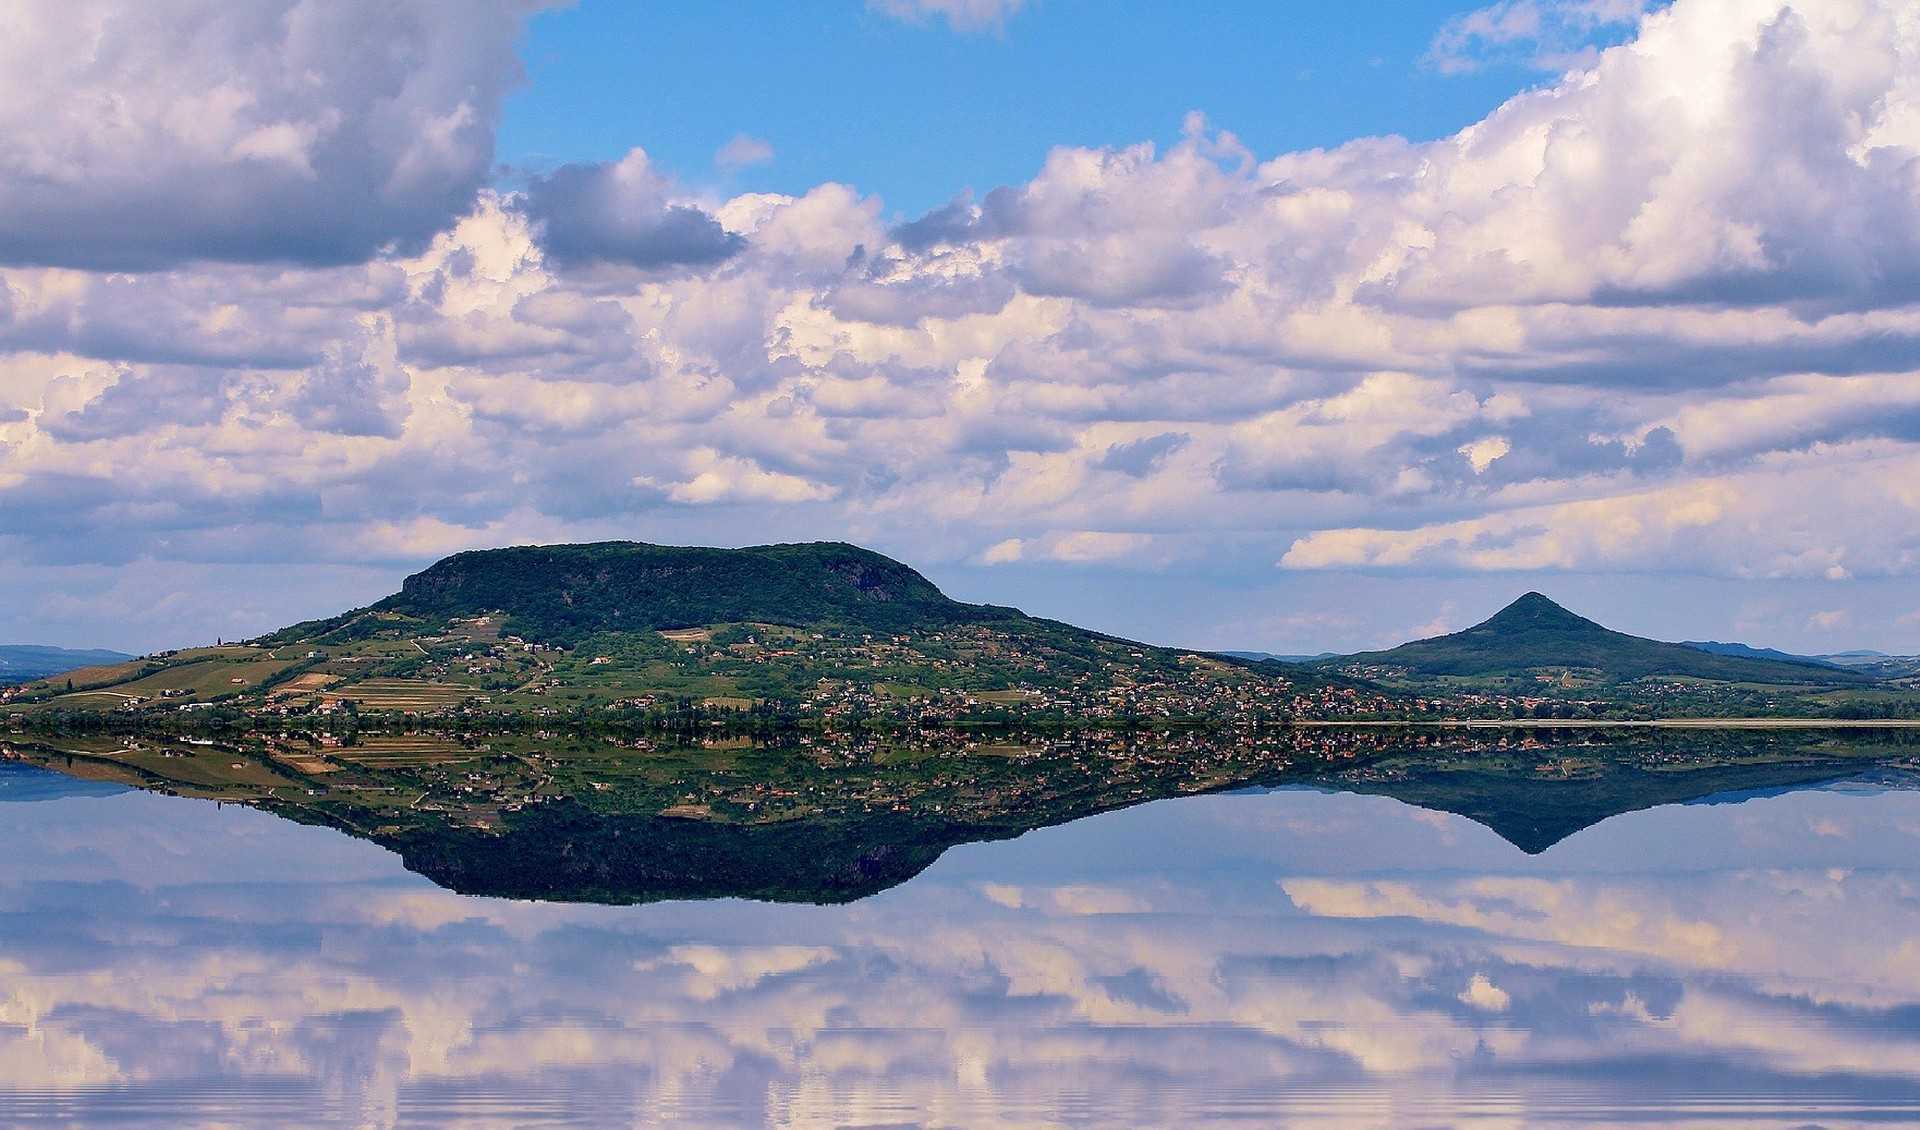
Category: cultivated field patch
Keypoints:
(404, 750)
(404, 694)
(304, 684)
(196, 682)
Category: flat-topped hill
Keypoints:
(569, 590)
(1534, 633)
(823, 631)
(561, 593)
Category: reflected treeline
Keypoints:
(635, 818)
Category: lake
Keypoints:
(1285, 955)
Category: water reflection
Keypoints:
(1294, 955)
(608, 817)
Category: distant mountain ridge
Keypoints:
(1877, 664)
(23, 663)
(1534, 633)
(1747, 651)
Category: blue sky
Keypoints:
(1430, 305)
(916, 112)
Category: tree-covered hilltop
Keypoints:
(560, 594)
(821, 633)
(1533, 634)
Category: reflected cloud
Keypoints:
(1292, 955)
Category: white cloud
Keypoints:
(1550, 35)
(144, 135)
(1484, 995)
(1003, 552)
(723, 478)
(1438, 626)
(960, 15)
(743, 151)
(1660, 315)
(1096, 545)
(1481, 453)
(1750, 525)
(713, 971)
(626, 212)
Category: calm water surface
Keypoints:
(1289, 956)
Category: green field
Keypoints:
(411, 695)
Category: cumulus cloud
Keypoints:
(1748, 188)
(145, 135)
(1482, 994)
(1659, 314)
(891, 293)
(1482, 453)
(355, 391)
(1141, 456)
(722, 478)
(1707, 524)
(133, 401)
(624, 212)
(1004, 552)
(1096, 545)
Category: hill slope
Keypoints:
(1533, 634)
(23, 663)
(823, 631)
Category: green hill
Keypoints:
(564, 593)
(825, 630)
(1533, 634)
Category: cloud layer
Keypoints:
(146, 135)
(1661, 315)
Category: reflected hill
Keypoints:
(625, 819)
(1533, 807)
(23, 784)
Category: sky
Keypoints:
(979, 109)
(1300, 329)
